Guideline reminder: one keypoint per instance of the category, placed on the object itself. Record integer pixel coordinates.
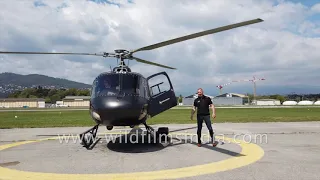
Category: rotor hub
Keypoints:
(121, 51)
(122, 54)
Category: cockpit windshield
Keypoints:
(115, 84)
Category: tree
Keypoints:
(50, 95)
(55, 98)
(250, 96)
(281, 98)
(15, 94)
(180, 99)
(52, 92)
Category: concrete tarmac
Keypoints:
(245, 151)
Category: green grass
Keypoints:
(71, 118)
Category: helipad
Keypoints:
(53, 158)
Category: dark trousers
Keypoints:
(206, 119)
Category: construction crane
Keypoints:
(254, 80)
(223, 85)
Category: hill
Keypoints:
(11, 82)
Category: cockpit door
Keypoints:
(162, 96)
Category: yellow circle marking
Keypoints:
(250, 153)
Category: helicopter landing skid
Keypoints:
(159, 135)
(90, 139)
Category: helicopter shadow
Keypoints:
(136, 141)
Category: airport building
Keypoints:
(188, 100)
(22, 103)
(223, 99)
(230, 99)
(268, 102)
(75, 101)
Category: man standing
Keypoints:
(202, 104)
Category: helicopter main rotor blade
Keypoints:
(196, 35)
(149, 62)
(16, 52)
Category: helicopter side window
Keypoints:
(93, 89)
(158, 85)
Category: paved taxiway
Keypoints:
(267, 151)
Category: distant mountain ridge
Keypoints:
(38, 80)
(11, 82)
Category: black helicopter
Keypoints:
(125, 98)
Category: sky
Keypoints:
(283, 49)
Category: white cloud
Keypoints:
(283, 49)
(316, 8)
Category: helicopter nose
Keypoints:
(114, 104)
(117, 111)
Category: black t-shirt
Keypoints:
(202, 104)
